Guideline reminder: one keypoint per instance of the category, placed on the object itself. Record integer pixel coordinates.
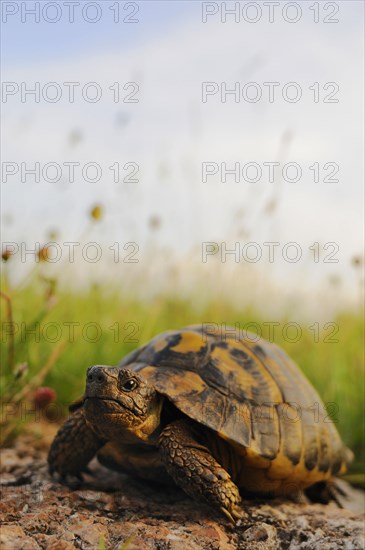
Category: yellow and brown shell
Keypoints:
(253, 396)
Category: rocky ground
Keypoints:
(115, 512)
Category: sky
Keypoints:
(155, 124)
(76, 32)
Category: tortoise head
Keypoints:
(119, 401)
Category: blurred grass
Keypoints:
(335, 369)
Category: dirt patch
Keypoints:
(110, 511)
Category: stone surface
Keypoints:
(110, 511)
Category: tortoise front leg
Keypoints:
(193, 468)
(73, 447)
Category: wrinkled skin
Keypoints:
(120, 413)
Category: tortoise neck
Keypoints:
(149, 430)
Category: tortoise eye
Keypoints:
(129, 385)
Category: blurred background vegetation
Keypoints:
(59, 333)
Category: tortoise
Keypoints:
(215, 411)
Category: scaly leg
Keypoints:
(194, 469)
(73, 447)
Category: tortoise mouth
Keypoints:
(105, 405)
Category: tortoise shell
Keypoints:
(252, 395)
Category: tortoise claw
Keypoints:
(71, 480)
(235, 516)
(228, 515)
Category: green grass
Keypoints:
(335, 369)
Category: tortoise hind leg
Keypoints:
(323, 492)
(194, 469)
(73, 447)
